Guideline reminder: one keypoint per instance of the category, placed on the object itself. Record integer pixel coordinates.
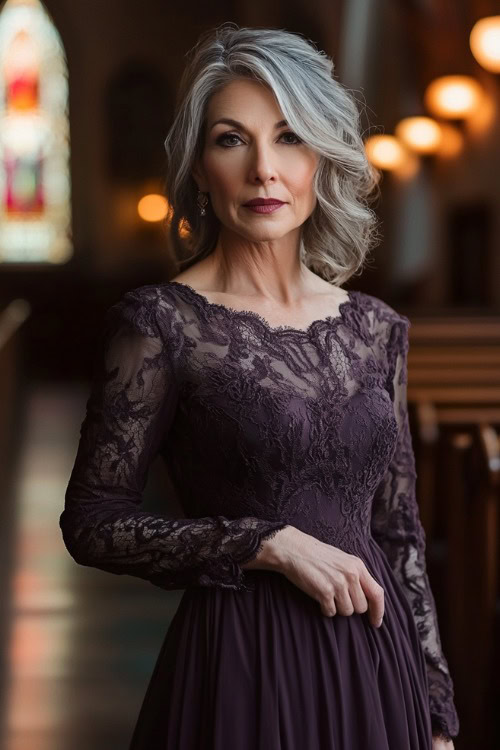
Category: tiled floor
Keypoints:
(80, 643)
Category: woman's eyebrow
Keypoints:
(236, 124)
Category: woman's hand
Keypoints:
(339, 581)
(439, 743)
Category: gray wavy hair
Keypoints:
(337, 236)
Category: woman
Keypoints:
(278, 401)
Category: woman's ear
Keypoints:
(198, 177)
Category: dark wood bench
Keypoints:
(454, 404)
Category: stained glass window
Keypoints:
(35, 210)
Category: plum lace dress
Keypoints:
(262, 427)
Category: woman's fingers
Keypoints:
(375, 595)
(356, 592)
(358, 597)
(345, 596)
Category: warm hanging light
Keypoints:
(420, 134)
(452, 142)
(484, 42)
(385, 152)
(152, 207)
(453, 97)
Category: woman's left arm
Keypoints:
(397, 528)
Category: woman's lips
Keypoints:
(265, 208)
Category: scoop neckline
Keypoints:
(259, 319)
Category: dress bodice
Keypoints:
(287, 423)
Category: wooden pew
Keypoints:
(454, 402)
(453, 365)
(472, 574)
(11, 319)
(12, 316)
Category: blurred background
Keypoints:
(86, 96)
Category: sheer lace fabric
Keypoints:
(260, 428)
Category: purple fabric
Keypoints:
(263, 427)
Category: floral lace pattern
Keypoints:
(276, 425)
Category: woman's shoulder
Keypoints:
(380, 311)
(149, 295)
(147, 308)
(380, 324)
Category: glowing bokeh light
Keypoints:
(484, 42)
(453, 97)
(152, 207)
(385, 151)
(420, 134)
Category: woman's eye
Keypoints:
(289, 132)
(222, 140)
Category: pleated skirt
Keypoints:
(266, 670)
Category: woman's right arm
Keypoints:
(131, 406)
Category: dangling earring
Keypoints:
(202, 200)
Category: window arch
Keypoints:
(35, 207)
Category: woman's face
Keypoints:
(258, 158)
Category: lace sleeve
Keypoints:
(131, 405)
(397, 528)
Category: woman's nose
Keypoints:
(262, 164)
